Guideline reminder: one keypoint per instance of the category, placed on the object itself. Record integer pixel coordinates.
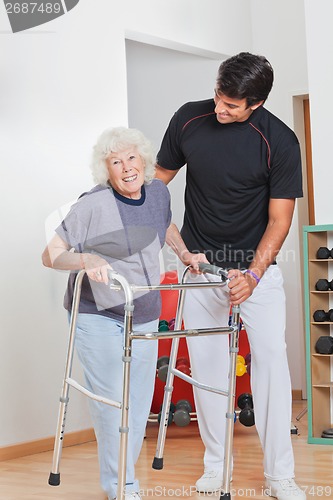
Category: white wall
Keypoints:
(213, 25)
(61, 85)
(56, 98)
(320, 68)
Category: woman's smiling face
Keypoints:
(126, 172)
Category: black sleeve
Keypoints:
(286, 173)
(170, 155)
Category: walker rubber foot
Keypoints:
(157, 463)
(225, 495)
(54, 479)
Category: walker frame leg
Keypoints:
(168, 388)
(124, 429)
(229, 430)
(54, 477)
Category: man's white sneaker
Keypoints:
(210, 481)
(284, 489)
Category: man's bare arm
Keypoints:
(165, 175)
(280, 213)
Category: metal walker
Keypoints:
(118, 282)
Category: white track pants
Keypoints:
(263, 315)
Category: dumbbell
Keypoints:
(171, 413)
(324, 253)
(243, 365)
(324, 345)
(181, 416)
(162, 366)
(246, 415)
(327, 433)
(240, 366)
(323, 285)
(320, 315)
(172, 324)
(163, 325)
(183, 365)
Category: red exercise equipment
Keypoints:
(181, 389)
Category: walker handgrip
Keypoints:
(211, 269)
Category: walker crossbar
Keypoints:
(170, 286)
(180, 333)
(194, 382)
(129, 335)
(91, 395)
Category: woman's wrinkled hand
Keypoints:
(193, 260)
(96, 267)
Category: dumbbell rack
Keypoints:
(119, 283)
(182, 413)
(318, 366)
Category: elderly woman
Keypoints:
(121, 224)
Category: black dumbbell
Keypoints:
(171, 413)
(323, 285)
(324, 253)
(170, 418)
(324, 345)
(182, 416)
(327, 433)
(162, 366)
(246, 415)
(320, 315)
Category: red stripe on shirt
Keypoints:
(195, 118)
(267, 144)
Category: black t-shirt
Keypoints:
(232, 172)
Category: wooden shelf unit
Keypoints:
(318, 366)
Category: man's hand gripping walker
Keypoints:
(118, 282)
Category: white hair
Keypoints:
(115, 140)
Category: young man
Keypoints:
(243, 175)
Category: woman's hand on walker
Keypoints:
(96, 267)
(193, 260)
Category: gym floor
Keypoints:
(26, 478)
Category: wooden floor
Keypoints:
(26, 478)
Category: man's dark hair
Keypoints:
(245, 76)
